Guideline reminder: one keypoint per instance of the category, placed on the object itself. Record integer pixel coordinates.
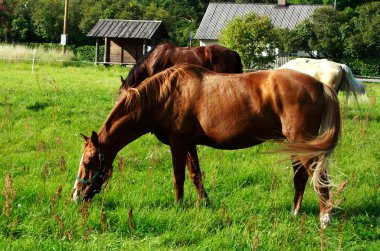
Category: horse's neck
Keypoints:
(120, 130)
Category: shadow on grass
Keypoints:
(38, 106)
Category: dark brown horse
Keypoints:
(214, 57)
(187, 105)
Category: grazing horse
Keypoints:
(214, 57)
(337, 76)
(187, 105)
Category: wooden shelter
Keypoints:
(126, 41)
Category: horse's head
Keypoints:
(94, 169)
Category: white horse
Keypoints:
(338, 76)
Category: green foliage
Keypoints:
(322, 33)
(253, 37)
(87, 53)
(42, 20)
(349, 36)
(365, 68)
(363, 39)
(250, 190)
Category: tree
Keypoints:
(253, 37)
(363, 42)
(47, 19)
(322, 32)
(362, 47)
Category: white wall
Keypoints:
(208, 42)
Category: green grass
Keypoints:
(251, 191)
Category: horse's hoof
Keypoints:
(325, 219)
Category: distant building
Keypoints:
(217, 16)
(126, 41)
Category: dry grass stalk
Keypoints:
(333, 202)
(84, 212)
(103, 221)
(53, 201)
(45, 172)
(87, 232)
(69, 234)
(275, 207)
(225, 215)
(41, 146)
(9, 194)
(213, 182)
(255, 242)
(121, 164)
(341, 227)
(130, 220)
(322, 239)
(62, 164)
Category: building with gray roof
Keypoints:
(282, 15)
(126, 41)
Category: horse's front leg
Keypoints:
(179, 153)
(195, 173)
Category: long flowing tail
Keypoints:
(320, 148)
(353, 85)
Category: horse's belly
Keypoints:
(230, 145)
(240, 135)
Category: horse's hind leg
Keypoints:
(324, 196)
(323, 190)
(179, 152)
(299, 180)
(195, 172)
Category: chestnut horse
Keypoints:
(187, 105)
(213, 57)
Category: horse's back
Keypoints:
(326, 71)
(235, 110)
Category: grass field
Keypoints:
(251, 191)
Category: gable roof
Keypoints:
(219, 14)
(114, 28)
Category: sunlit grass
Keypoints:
(21, 52)
(42, 114)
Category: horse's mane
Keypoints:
(140, 68)
(144, 98)
(130, 81)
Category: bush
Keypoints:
(253, 37)
(87, 53)
(362, 68)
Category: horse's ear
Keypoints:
(94, 138)
(84, 137)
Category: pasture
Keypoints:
(251, 190)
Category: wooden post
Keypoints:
(121, 52)
(106, 51)
(97, 51)
(144, 47)
(65, 24)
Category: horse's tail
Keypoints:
(323, 145)
(352, 84)
(238, 65)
